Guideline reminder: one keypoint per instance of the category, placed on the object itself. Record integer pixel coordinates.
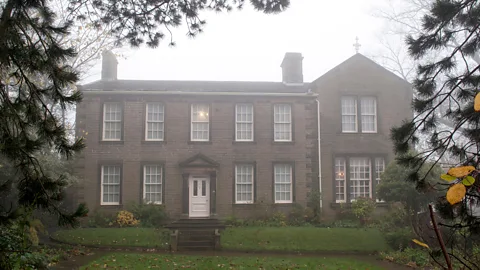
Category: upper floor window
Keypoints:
(152, 184)
(349, 114)
(368, 109)
(282, 122)
(155, 122)
(283, 183)
(112, 122)
(200, 122)
(244, 122)
(244, 183)
(110, 185)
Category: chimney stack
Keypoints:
(109, 66)
(292, 70)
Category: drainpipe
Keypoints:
(319, 155)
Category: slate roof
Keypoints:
(194, 86)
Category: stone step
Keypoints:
(202, 243)
(195, 238)
(196, 248)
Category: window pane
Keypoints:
(155, 121)
(112, 121)
(110, 184)
(340, 180)
(283, 182)
(200, 123)
(360, 178)
(244, 183)
(379, 169)
(244, 122)
(152, 184)
(282, 122)
(368, 108)
(195, 188)
(349, 114)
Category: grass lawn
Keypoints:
(154, 261)
(304, 239)
(138, 237)
(246, 238)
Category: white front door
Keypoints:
(199, 190)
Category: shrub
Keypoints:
(363, 208)
(233, 221)
(126, 219)
(12, 239)
(314, 212)
(409, 256)
(297, 215)
(279, 219)
(101, 219)
(151, 215)
(400, 238)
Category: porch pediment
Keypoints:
(199, 161)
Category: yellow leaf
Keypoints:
(461, 171)
(456, 193)
(476, 105)
(447, 177)
(468, 181)
(420, 243)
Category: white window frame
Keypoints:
(379, 169)
(119, 106)
(238, 123)
(290, 167)
(364, 114)
(285, 122)
(102, 184)
(353, 166)
(161, 122)
(252, 180)
(340, 176)
(160, 175)
(343, 114)
(192, 122)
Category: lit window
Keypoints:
(200, 124)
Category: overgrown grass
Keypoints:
(135, 237)
(242, 238)
(304, 239)
(148, 261)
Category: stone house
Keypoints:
(216, 149)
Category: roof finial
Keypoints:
(357, 45)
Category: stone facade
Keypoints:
(180, 158)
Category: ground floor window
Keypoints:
(152, 184)
(244, 175)
(283, 183)
(357, 177)
(110, 185)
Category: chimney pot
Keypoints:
(292, 69)
(109, 66)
